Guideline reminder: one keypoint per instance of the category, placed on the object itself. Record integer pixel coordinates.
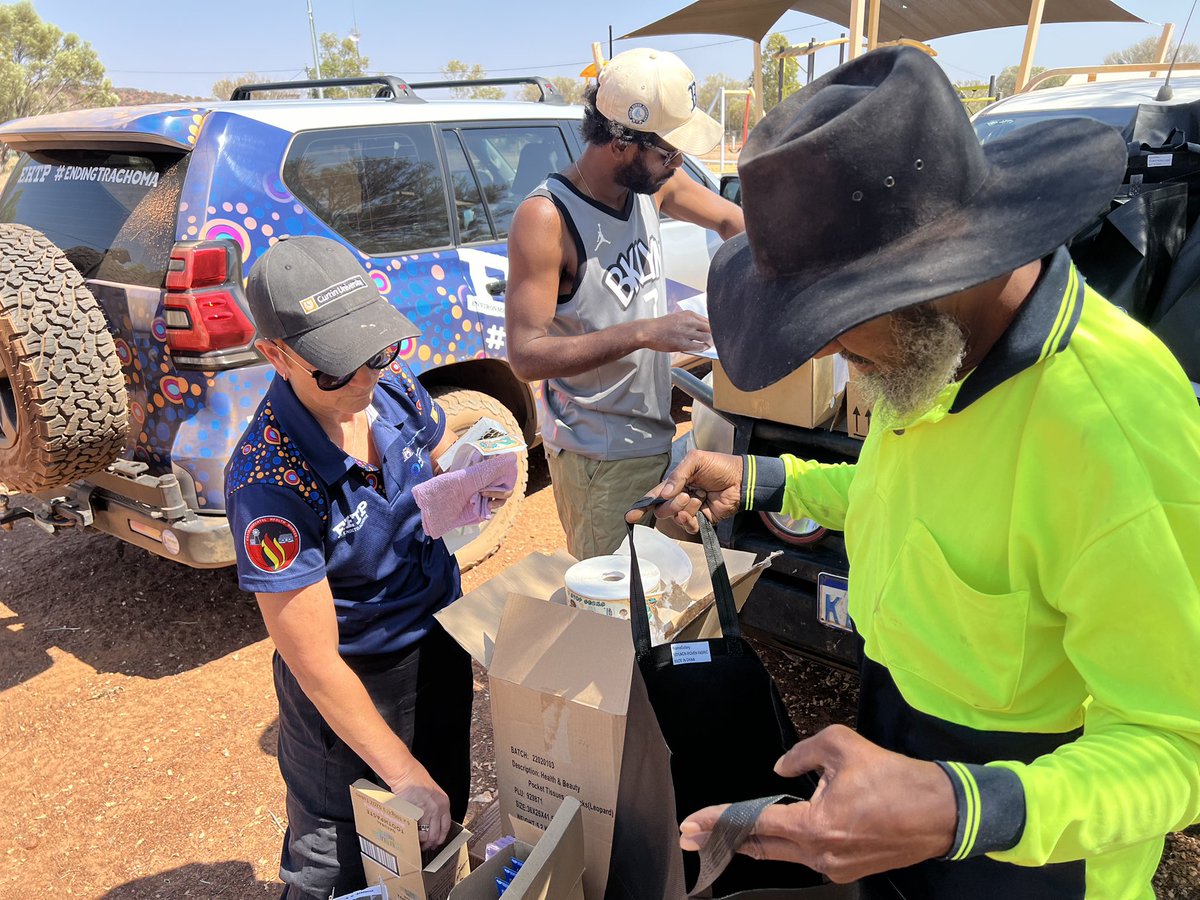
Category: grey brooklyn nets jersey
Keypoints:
(622, 409)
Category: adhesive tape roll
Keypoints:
(601, 584)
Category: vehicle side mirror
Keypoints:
(731, 188)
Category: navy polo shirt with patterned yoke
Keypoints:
(301, 510)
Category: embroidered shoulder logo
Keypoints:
(272, 543)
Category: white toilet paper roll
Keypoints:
(601, 584)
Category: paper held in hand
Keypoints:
(697, 304)
(486, 437)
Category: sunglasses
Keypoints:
(327, 382)
(669, 156)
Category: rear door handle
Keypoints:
(496, 288)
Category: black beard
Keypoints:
(638, 178)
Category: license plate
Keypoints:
(831, 602)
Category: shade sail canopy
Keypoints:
(921, 20)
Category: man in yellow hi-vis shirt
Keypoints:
(1023, 523)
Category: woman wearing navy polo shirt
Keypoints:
(328, 537)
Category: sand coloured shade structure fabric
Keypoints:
(922, 21)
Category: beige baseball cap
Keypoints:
(653, 91)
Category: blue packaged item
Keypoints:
(501, 886)
(516, 863)
(497, 845)
(510, 873)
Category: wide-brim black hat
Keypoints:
(868, 191)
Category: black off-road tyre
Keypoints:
(463, 409)
(64, 413)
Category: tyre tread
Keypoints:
(56, 348)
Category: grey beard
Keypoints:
(932, 345)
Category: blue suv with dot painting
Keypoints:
(163, 210)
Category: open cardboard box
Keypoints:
(391, 847)
(571, 716)
(475, 618)
(552, 863)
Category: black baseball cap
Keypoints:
(312, 294)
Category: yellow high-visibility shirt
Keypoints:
(1025, 557)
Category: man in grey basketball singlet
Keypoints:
(586, 304)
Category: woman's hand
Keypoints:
(495, 499)
(414, 785)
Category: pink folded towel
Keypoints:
(454, 499)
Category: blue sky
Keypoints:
(186, 47)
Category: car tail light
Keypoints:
(204, 310)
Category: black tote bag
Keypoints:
(723, 720)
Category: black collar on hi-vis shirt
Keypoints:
(1042, 327)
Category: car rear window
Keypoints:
(995, 126)
(112, 214)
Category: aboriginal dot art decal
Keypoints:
(268, 456)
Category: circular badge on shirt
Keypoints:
(272, 543)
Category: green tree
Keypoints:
(457, 70)
(1147, 52)
(1006, 81)
(43, 70)
(223, 89)
(340, 59)
(570, 88)
(775, 44)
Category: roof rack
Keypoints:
(396, 89)
(1151, 70)
(550, 93)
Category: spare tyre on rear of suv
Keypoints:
(64, 413)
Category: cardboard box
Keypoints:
(858, 411)
(485, 827)
(809, 397)
(569, 706)
(475, 619)
(552, 863)
(391, 847)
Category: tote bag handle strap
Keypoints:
(731, 630)
(731, 831)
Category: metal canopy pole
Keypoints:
(1164, 45)
(1036, 8)
(723, 131)
(873, 26)
(857, 11)
(312, 33)
(758, 86)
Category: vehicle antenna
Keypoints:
(1166, 92)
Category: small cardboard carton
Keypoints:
(808, 398)
(572, 719)
(552, 863)
(858, 411)
(391, 847)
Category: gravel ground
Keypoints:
(137, 722)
